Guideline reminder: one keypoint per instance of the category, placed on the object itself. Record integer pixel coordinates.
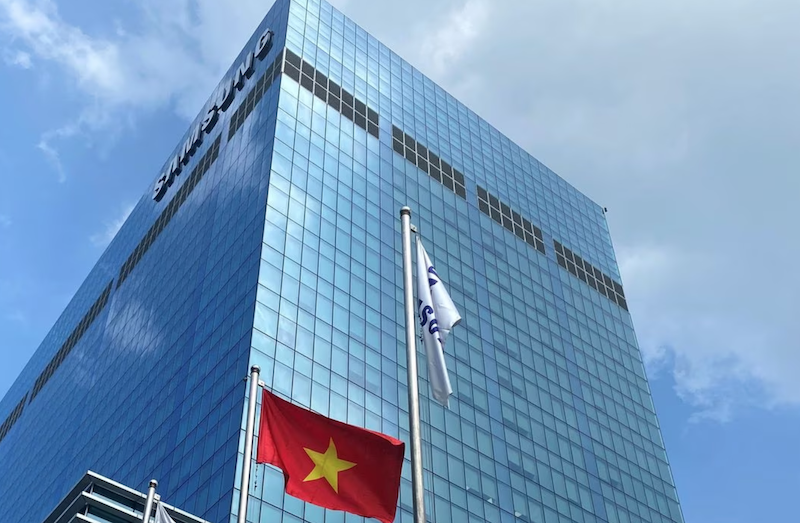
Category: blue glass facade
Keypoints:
(279, 245)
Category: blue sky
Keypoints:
(681, 117)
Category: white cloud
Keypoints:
(54, 158)
(721, 357)
(111, 228)
(173, 60)
(40, 28)
(444, 46)
(5, 221)
(17, 58)
(51, 153)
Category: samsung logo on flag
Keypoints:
(224, 96)
(432, 324)
(426, 310)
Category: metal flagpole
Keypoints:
(413, 381)
(248, 443)
(148, 505)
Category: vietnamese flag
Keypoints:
(329, 463)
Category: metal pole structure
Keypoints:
(248, 443)
(413, 380)
(148, 505)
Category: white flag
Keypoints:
(162, 516)
(437, 316)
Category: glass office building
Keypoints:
(272, 237)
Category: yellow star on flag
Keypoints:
(327, 466)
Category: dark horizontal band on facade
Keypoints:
(197, 173)
(500, 212)
(426, 160)
(194, 178)
(73, 340)
(254, 96)
(331, 93)
(13, 417)
(590, 275)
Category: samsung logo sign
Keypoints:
(223, 98)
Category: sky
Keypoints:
(680, 117)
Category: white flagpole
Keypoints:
(148, 505)
(248, 444)
(413, 380)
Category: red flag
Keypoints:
(329, 463)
